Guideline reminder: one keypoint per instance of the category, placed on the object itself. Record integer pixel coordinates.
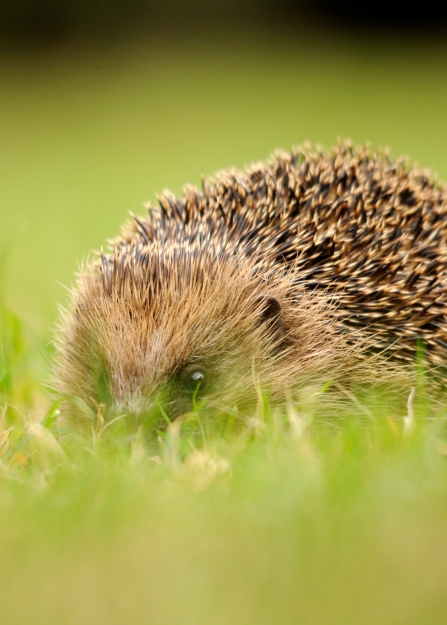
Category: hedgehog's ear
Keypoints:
(271, 313)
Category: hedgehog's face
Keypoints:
(155, 334)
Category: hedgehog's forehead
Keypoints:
(182, 295)
(162, 308)
(144, 274)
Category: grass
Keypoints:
(315, 516)
(296, 517)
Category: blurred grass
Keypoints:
(298, 518)
(295, 518)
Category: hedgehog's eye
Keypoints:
(196, 380)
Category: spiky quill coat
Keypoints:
(294, 269)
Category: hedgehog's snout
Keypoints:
(183, 391)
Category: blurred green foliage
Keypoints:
(47, 22)
(88, 135)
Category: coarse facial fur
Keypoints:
(149, 317)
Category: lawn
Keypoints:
(313, 515)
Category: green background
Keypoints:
(89, 133)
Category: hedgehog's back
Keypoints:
(365, 228)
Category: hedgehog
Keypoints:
(313, 266)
